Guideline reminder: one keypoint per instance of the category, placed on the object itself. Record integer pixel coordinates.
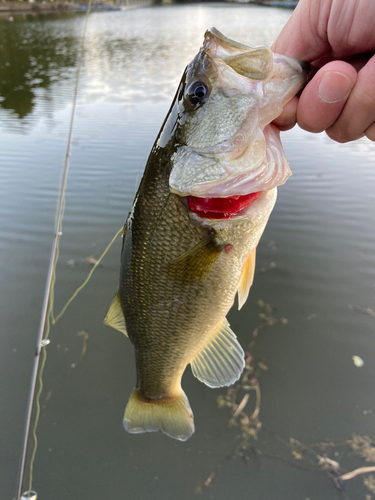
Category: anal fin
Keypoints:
(221, 361)
(115, 316)
(247, 278)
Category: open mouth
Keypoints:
(220, 208)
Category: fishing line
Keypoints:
(54, 320)
(49, 291)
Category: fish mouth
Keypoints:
(221, 208)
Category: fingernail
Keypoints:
(334, 86)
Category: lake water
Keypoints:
(315, 277)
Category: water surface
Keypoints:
(315, 268)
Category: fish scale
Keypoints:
(182, 328)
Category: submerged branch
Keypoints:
(357, 472)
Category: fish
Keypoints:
(190, 240)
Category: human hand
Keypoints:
(338, 38)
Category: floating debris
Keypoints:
(363, 310)
(328, 463)
(209, 479)
(364, 447)
(369, 482)
(358, 361)
(327, 457)
(248, 425)
(263, 270)
(90, 260)
(85, 338)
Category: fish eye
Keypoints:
(197, 93)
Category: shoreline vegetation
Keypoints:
(40, 7)
(50, 7)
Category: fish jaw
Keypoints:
(222, 176)
(227, 146)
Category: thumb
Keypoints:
(324, 97)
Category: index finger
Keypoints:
(300, 37)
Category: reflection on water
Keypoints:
(35, 51)
(38, 52)
(309, 310)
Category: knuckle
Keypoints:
(339, 134)
(365, 97)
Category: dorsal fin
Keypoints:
(221, 361)
(115, 316)
(246, 279)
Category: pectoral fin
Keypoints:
(247, 278)
(221, 361)
(115, 316)
(196, 263)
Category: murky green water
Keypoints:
(315, 267)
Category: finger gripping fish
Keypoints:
(189, 242)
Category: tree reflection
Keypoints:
(34, 52)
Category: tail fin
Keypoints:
(172, 416)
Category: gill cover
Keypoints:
(231, 94)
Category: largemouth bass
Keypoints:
(189, 242)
